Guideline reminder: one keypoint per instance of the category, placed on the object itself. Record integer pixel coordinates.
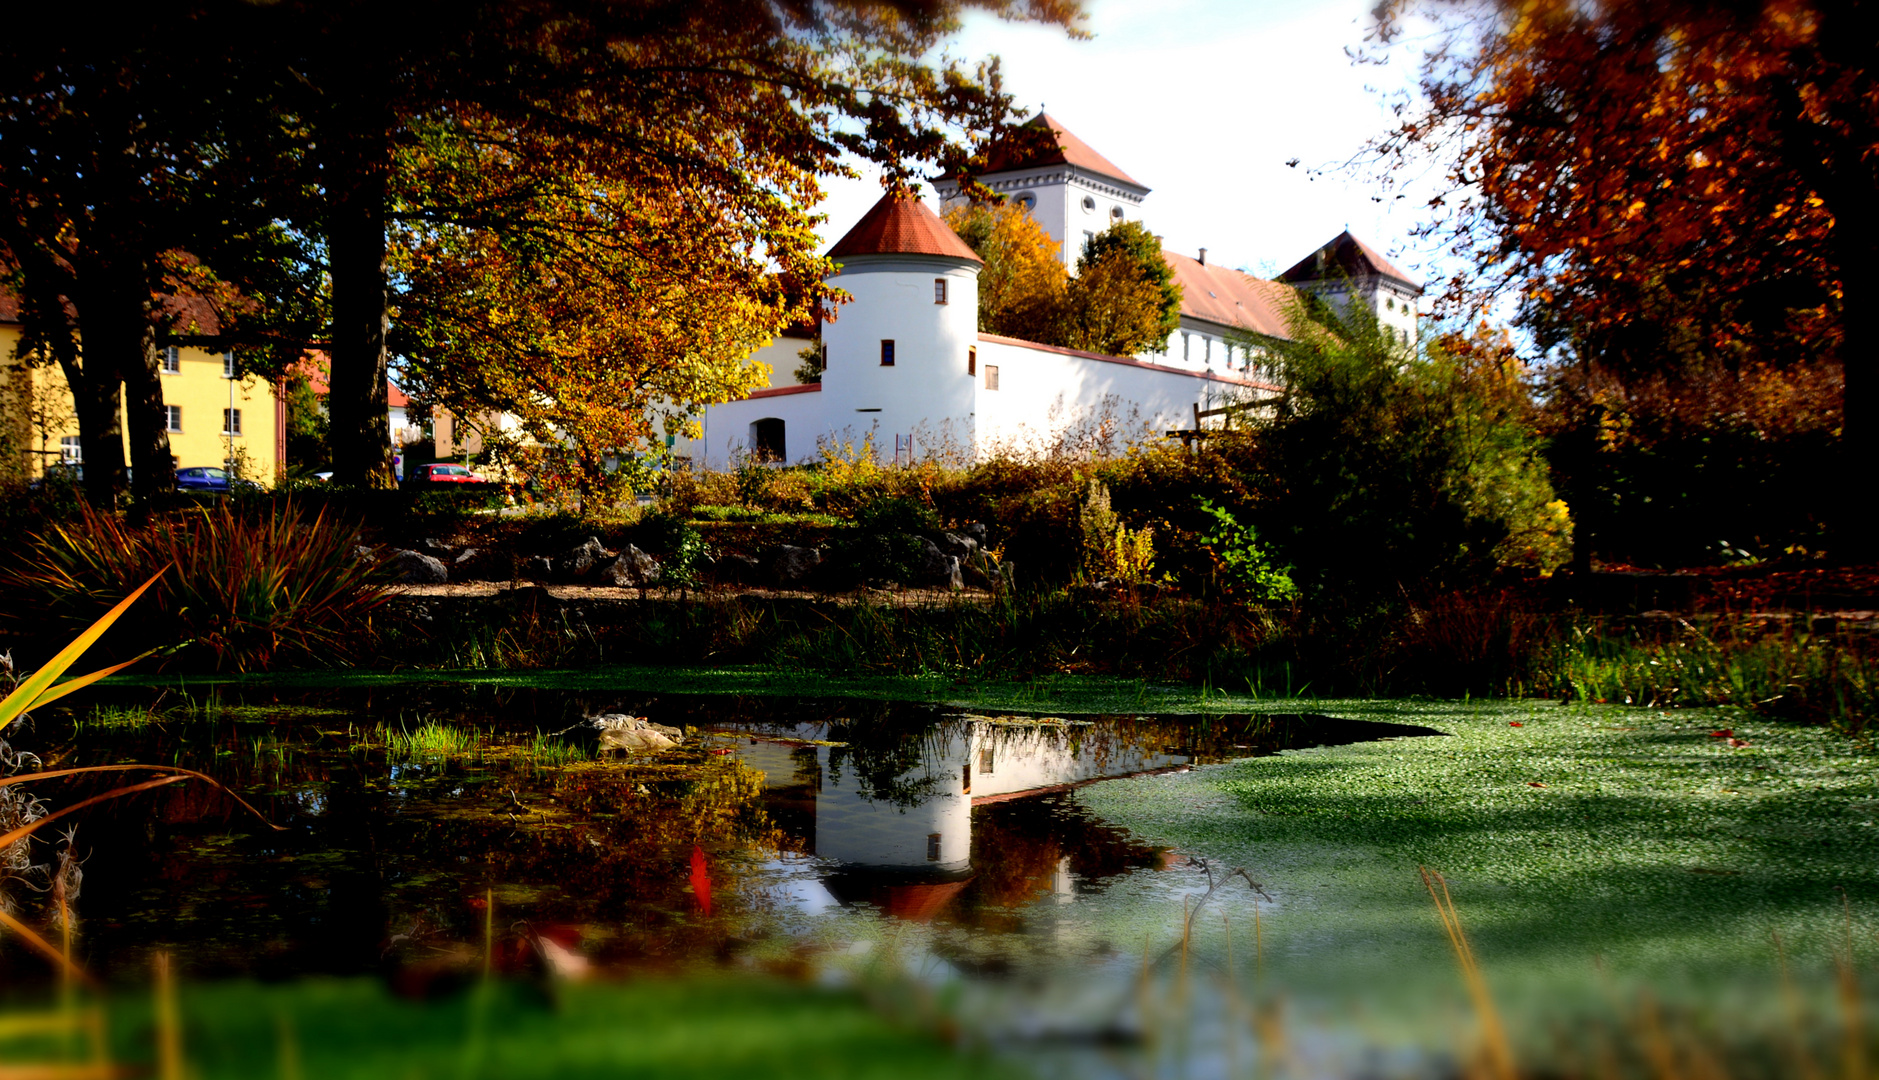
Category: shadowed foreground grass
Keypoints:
(354, 1029)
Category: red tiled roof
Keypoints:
(1070, 151)
(1228, 297)
(314, 367)
(1350, 255)
(901, 224)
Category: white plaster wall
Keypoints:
(854, 829)
(781, 356)
(927, 394)
(1024, 759)
(1044, 394)
(727, 428)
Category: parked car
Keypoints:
(210, 478)
(444, 472)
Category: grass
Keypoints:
(706, 1026)
(430, 739)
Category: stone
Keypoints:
(955, 574)
(977, 531)
(792, 565)
(466, 555)
(414, 568)
(540, 568)
(621, 732)
(958, 545)
(632, 569)
(434, 546)
(930, 568)
(364, 554)
(577, 562)
(736, 570)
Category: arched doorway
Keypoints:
(766, 440)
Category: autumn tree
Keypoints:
(125, 221)
(1143, 313)
(1023, 285)
(739, 107)
(1666, 182)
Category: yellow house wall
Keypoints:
(46, 413)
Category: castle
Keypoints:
(906, 365)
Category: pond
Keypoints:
(418, 823)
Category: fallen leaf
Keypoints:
(1535, 783)
(1515, 723)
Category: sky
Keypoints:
(1205, 102)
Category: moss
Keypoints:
(1569, 835)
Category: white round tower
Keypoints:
(902, 354)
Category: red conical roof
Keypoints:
(901, 224)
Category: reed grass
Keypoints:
(428, 740)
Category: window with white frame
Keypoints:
(71, 450)
(172, 360)
(228, 365)
(991, 376)
(172, 418)
(231, 421)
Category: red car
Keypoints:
(446, 473)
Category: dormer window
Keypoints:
(939, 290)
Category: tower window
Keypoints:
(1115, 213)
(1186, 342)
(1207, 349)
(172, 361)
(972, 361)
(887, 352)
(991, 376)
(939, 290)
(932, 847)
(1089, 204)
(1026, 200)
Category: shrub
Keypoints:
(249, 591)
(1382, 469)
(897, 514)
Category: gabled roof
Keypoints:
(1350, 256)
(901, 224)
(314, 365)
(1221, 295)
(1070, 151)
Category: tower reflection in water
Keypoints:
(962, 820)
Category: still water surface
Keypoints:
(419, 822)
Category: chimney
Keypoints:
(1203, 256)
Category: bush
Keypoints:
(1382, 469)
(897, 514)
(249, 591)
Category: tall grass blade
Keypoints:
(31, 692)
(1493, 1035)
(47, 949)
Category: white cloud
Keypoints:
(1205, 101)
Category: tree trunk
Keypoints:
(1857, 527)
(118, 330)
(358, 431)
(93, 387)
(100, 439)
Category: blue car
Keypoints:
(209, 478)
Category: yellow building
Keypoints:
(212, 419)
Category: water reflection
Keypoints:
(777, 817)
